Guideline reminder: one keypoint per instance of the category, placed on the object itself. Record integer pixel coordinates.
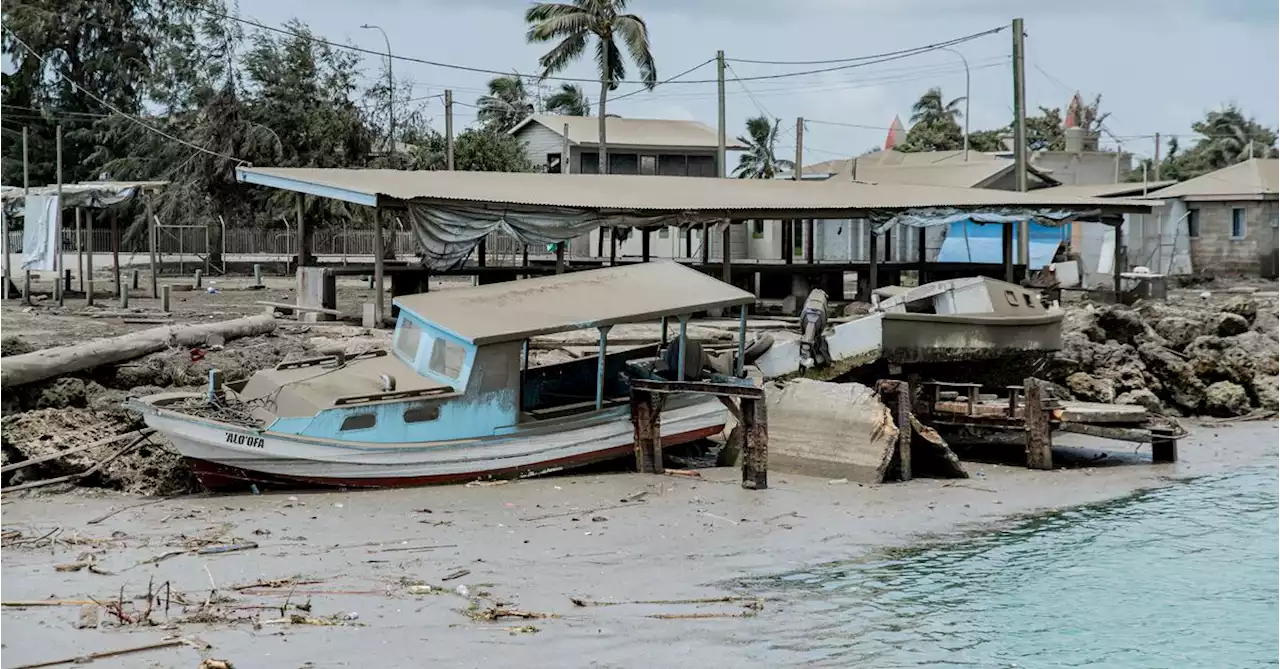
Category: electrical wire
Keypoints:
(667, 81)
(748, 92)
(903, 52)
(104, 103)
(467, 68)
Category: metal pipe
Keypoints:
(604, 337)
(742, 342)
(684, 340)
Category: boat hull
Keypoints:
(227, 457)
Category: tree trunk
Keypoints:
(52, 362)
(603, 151)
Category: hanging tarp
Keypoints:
(447, 234)
(927, 218)
(89, 195)
(40, 233)
(967, 241)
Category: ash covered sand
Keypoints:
(363, 562)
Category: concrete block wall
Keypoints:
(1215, 251)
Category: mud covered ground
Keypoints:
(487, 576)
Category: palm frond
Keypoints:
(635, 34)
(562, 54)
(550, 20)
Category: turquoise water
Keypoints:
(1182, 576)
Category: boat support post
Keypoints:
(604, 337)
(684, 340)
(740, 369)
(524, 371)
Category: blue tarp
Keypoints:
(967, 241)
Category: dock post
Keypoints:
(88, 258)
(644, 244)
(1164, 448)
(66, 281)
(706, 244)
(135, 278)
(648, 439)
(124, 297)
(164, 298)
(257, 275)
(604, 339)
(897, 396)
(215, 384)
(26, 287)
(198, 277)
(755, 444)
(1036, 418)
(559, 257)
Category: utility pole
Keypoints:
(1155, 162)
(391, 95)
(448, 128)
(26, 193)
(58, 292)
(1020, 136)
(720, 127)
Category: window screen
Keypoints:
(1238, 229)
(702, 166)
(672, 165)
(624, 163)
(648, 164)
(590, 163)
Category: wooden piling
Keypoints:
(124, 297)
(198, 278)
(164, 298)
(648, 432)
(897, 396)
(1164, 448)
(755, 446)
(134, 280)
(257, 275)
(1036, 419)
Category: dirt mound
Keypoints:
(150, 469)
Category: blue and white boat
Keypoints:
(455, 398)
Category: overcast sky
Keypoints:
(1159, 65)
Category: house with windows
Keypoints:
(635, 146)
(1223, 222)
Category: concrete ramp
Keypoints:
(831, 430)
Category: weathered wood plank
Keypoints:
(1039, 438)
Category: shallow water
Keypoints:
(1182, 576)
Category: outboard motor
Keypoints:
(813, 321)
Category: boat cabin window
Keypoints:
(422, 414)
(446, 358)
(408, 338)
(359, 421)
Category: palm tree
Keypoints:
(569, 101)
(573, 24)
(1226, 137)
(930, 110)
(506, 104)
(758, 161)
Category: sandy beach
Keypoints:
(406, 577)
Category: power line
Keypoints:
(482, 70)
(901, 53)
(748, 91)
(641, 90)
(104, 103)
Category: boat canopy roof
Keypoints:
(517, 310)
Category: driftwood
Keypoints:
(77, 449)
(80, 659)
(53, 362)
(79, 475)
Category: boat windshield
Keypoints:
(408, 340)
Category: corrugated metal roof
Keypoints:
(653, 194)
(632, 132)
(946, 172)
(1255, 179)
(516, 310)
(1126, 189)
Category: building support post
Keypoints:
(739, 369)
(922, 257)
(726, 255)
(1006, 246)
(873, 278)
(378, 261)
(683, 344)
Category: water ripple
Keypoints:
(1181, 576)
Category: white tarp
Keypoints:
(40, 233)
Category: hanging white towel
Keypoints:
(40, 233)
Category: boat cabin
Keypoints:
(458, 367)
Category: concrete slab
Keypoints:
(832, 430)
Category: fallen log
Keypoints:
(53, 362)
